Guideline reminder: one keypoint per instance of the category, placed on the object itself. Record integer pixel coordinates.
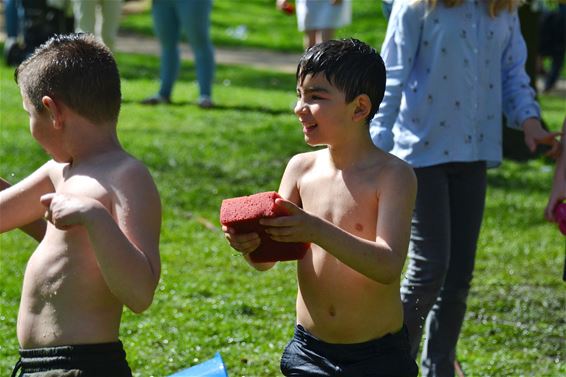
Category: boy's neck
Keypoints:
(91, 141)
(94, 154)
(351, 151)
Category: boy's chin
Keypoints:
(312, 143)
(61, 159)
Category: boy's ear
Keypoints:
(55, 111)
(362, 107)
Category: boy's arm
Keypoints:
(20, 206)
(380, 260)
(34, 229)
(126, 243)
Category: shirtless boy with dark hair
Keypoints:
(353, 202)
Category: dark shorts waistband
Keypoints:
(94, 359)
(397, 341)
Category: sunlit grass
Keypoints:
(209, 300)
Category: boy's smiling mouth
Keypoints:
(308, 127)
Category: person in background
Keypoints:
(386, 7)
(98, 17)
(558, 191)
(453, 67)
(170, 19)
(319, 19)
(11, 18)
(552, 44)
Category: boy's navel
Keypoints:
(332, 311)
(359, 227)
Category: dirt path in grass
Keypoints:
(284, 62)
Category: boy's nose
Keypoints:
(300, 107)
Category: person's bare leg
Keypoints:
(325, 35)
(309, 39)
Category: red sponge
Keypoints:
(243, 214)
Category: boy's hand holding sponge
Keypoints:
(243, 214)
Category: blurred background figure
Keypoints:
(552, 44)
(11, 18)
(319, 19)
(558, 190)
(386, 6)
(191, 17)
(98, 17)
(29, 23)
(453, 67)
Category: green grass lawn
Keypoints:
(210, 300)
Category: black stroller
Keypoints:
(37, 22)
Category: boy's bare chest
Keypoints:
(350, 203)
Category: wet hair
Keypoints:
(352, 66)
(77, 70)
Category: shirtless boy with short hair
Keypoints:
(353, 203)
(100, 250)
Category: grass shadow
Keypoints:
(217, 107)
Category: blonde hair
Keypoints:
(494, 6)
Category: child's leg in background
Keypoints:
(111, 11)
(446, 225)
(85, 16)
(11, 18)
(326, 35)
(166, 26)
(195, 22)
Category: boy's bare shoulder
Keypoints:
(55, 170)
(390, 168)
(134, 173)
(131, 164)
(304, 161)
(119, 165)
(123, 172)
(393, 162)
